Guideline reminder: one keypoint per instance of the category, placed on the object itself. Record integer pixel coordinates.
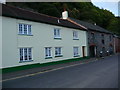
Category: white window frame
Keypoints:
(75, 35)
(29, 29)
(24, 29)
(48, 52)
(58, 51)
(75, 51)
(57, 33)
(20, 28)
(28, 56)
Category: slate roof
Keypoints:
(18, 13)
(91, 26)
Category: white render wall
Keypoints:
(43, 36)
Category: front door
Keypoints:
(83, 51)
(92, 51)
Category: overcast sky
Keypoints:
(111, 5)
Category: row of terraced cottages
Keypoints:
(30, 37)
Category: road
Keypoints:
(98, 74)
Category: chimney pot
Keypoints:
(65, 15)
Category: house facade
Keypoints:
(100, 41)
(100, 44)
(116, 44)
(30, 38)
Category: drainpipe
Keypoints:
(114, 45)
(95, 51)
(87, 41)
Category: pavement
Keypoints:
(23, 73)
(90, 73)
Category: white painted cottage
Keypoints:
(30, 37)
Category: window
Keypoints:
(57, 33)
(75, 34)
(25, 29)
(48, 52)
(110, 37)
(75, 51)
(58, 51)
(103, 42)
(20, 29)
(102, 35)
(92, 36)
(25, 54)
(29, 29)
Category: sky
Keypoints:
(111, 5)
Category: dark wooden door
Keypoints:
(92, 51)
(83, 51)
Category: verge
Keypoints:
(30, 66)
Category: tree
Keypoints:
(85, 11)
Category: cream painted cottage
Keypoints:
(30, 37)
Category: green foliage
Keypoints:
(114, 25)
(85, 11)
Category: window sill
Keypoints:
(58, 38)
(25, 35)
(76, 55)
(75, 39)
(59, 56)
(48, 57)
(25, 61)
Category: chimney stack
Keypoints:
(65, 15)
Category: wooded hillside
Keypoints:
(85, 11)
